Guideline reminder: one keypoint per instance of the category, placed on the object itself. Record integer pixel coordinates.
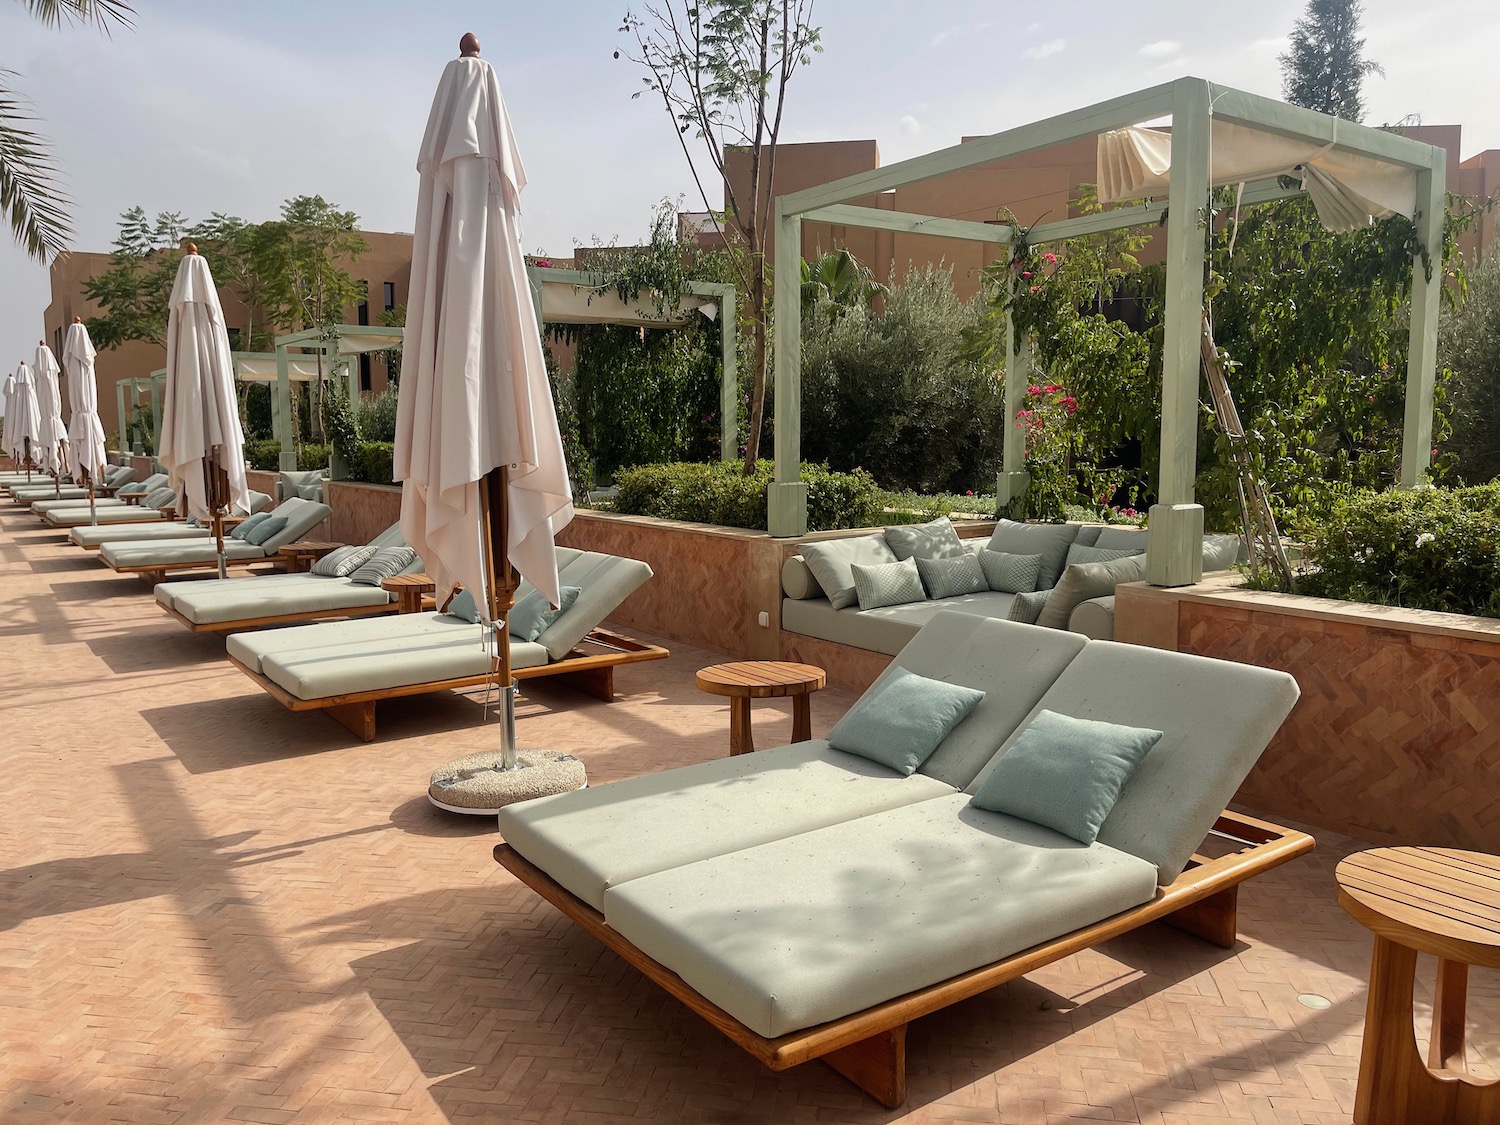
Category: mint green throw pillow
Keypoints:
(462, 607)
(265, 529)
(1065, 773)
(242, 532)
(530, 617)
(900, 722)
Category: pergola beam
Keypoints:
(904, 222)
(1116, 113)
(1118, 218)
(1267, 115)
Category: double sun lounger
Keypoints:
(156, 559)
(43, 488)
(810, 903)
(346, 667)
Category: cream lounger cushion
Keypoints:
(302, 517)
(135, 533)
(884, 904)
(234, 602)
(596, 838)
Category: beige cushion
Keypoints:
(832, 561)
(1050, 540)
(1094, 619)
(259, 585)
(1216, 718)
(601, 837)
(797, 580)
(1121, 538)
(88, 536)
(886, 629)
(603, 581)
(42, 507)
(883, 905)
(78, 517)
(1083, 581)
(399, 662)
(176, 552)
(233, 602)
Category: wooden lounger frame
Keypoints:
(869, 1047)
(300, 617)
(151, 575)
(592, 673)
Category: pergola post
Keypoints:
(122, 417)
(1175, 545)
(281, 412)
(786, 504)
(137, 448)
(729, 377)
(1421, 358)
(1013, 481)
(154, 386)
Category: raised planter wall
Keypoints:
(1397, 735)
(361, 511)
(261, 481)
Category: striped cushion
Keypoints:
(384, 563)
(158, 498)
(343, 561)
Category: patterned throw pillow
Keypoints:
(158, 498)
(885, 584)
(1077, 554)
(243, 531)
(384, 563)
(951, 578)
(532, 616)
(935, 540)
(261, 532)
(343, 561)
(1010, 574)
(1028, 607)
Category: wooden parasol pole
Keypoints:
(500, 594)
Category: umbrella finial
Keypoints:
(78, 320)
(192, 247)
(468, 46)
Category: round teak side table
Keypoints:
(763, 679)
(1422, 900)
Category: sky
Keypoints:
(235, 107)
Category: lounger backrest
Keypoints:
(604, 581)
(155, 480)
(566, 556)
(300, 520)
(259, 502)
(1014, 665)
(390, 537)
(119, 474)
(1216, 718)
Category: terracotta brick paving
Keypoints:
(214, 910)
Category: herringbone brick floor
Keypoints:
(214, 910)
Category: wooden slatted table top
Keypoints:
(398, 582)
(761, 679)
(1436, 900)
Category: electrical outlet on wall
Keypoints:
(764, 620)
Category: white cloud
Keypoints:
(1045, 50)
(910, 125)
(1161, 49)
(942, 36)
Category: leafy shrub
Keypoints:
(339, 423)
(371, 462)
(263, 454)
(894, 392)
(1470, 345)
(375, 416)
(312, 456)
(257, 410)
(719, 493)
(1435, 549)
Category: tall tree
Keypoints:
(721, 69)
(1325, 65)
(133, 292)
(29, 192)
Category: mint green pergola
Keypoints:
(1193, 104)
(337, 346)
(564, 296)
(153, 386)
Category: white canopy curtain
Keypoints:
(1349, 191)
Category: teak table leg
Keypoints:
(1450, 1001)
(739, 727)
(801, 718)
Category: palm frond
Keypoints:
(101, 13)
(29, 192)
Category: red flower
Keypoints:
(1050, 258)
(544, 264)
(1052, 388)
(1026, 275)
(1033, 389)
(1036, 288)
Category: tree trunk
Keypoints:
(758, 374)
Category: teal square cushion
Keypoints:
(530, 617)
(900, 721)
(1065, 773)
(242, 532)
(262, 531)
(462, 606)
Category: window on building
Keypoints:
(234, 338)
(364, 371)
(362, 311)
(390, 295)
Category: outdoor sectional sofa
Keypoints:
(154, 560)
(229, 605)
(807, 610)
(810, 903)
(346, 667)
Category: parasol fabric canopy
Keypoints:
(200, 416)
(1349, 191)
(49, 454)
(27, 424)
(7, 424)
(474, 391)
(85, 433)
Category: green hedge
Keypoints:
(372, 461)
(1438, 548)
(263, 454)
(718, 492)
(310, 457)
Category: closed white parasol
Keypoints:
(52, 451)
(477, 442)
(202, 445)
(86, 458)
(26, 427)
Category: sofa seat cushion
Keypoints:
(886, 629)
(209, 606)
(607, 835)
(877, 907)
(177, 552)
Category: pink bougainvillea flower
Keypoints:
(1052, 388)
(1036, 288)
(1026, 275)
(970, 492)
(1370, 397)
(544, 264)
(1033, 389)
(1050, 258)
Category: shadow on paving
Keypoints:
(156, 645)
(520, 1008)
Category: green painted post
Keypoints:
(1175, 550)
(1010, 487)
(155, 385)
(787, 502)
(287, 458)
(729, 377)
(1421, 361)
(122, 416)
